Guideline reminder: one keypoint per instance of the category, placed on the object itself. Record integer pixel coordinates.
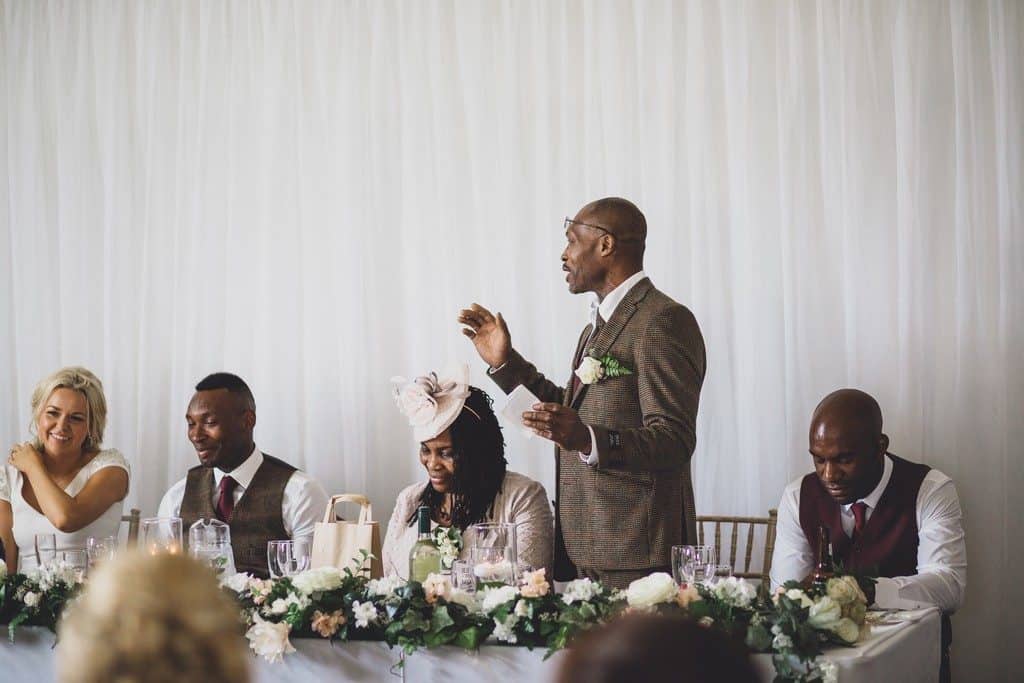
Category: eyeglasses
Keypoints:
(570, 221)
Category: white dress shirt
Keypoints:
(941, 577)
(607, 309)
(302, 505)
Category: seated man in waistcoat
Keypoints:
(260, 497)
(888, 517)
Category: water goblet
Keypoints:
(78, 560)
(692, 563)
(100, 549)
(161, 535)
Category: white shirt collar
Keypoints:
(611, 302)
(244, 473)
(871, 500)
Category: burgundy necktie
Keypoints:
(860, 509)
(225, 498)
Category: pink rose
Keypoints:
(534, 584)
(327, 624)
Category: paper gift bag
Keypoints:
(338, 543)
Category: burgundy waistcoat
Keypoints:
(256, 518)
(888, 543)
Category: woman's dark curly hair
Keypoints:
(479, 453)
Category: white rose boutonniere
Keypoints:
(652, 590)
(593, 369)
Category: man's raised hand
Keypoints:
(489, 334)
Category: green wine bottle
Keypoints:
(424, 558)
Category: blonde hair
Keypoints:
(155, 619)
(87, 384)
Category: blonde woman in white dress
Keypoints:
(463, 453)
(62, 482)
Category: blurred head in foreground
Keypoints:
(152, 618)
(648, 647)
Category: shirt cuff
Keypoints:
(887, 596)
(491, 371)
(592, 458)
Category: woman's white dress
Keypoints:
(520, 500)
(28, 521)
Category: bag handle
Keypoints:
(365, 510)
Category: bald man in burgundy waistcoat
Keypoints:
(888, 517)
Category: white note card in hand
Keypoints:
(519, 401)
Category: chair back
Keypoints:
(132, 518)
(733, 526)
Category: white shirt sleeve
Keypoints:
(302, 505)
(591, 459)
(170, 504)
(793, 558)
(941, 578)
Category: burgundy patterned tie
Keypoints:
(860, 509)
(225, 499)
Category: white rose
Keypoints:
(317, 580)
(467, 600)
(235, 582)
(797, 595)
(522, 609)
(651, 590)
(31, 599)
(417, 405)
(580, 590)
(495, 597)
(824, 613)
(845, 590)
(269, 640)
(856, 612)
(847, 631)
(437, 586)
(590, 370)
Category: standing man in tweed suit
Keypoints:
(624, 441)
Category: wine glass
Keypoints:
(46, 549)
(693, 563)
(287, 558)
(161, 535)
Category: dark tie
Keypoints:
(860, 510)
(225, 499)
(582, 352)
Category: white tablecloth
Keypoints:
(906, 652)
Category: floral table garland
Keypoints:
(792, 625)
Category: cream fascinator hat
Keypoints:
(433, 402)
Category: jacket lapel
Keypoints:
(610, 331)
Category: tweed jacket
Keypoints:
(627, 512)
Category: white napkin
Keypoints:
(519, 401)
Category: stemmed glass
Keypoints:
(78, 560)
(693, 563)
(46, 549)
(161, 535)
(287, 558)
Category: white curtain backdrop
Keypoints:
(306, 193)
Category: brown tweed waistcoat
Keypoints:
(256, 518)
(628, 511)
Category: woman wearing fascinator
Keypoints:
(463, 453)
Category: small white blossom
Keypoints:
(734, 591)
(31, 599)
(495, 597)
(235, 582)
(829, 671)
(580, 590)
(464, 598)
(281, 605)
(386, 586)
(503, 630)
(782, 642)
(522, 609)
(365, 613)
